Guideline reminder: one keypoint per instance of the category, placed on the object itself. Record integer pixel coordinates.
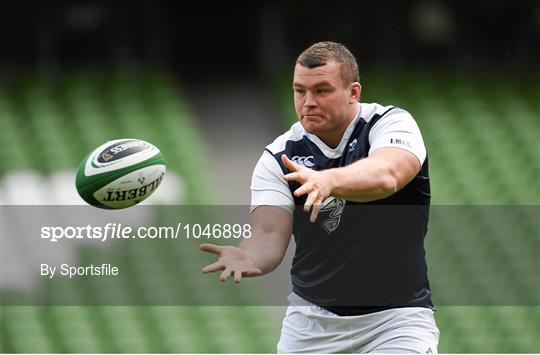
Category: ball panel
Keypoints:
(132, 188)
(117, 154)
(120, 150)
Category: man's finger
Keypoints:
(304, 189)
(237, 276)
(291, 165)
(310, 200)
(213, 267)
(211, 248)
(315, 211)
(225, 274)
(296, 176)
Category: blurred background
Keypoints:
(210, 86)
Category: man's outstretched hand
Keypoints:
(316, 184)
(232, 260)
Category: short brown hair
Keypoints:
(321, 53)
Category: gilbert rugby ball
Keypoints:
(120, 173)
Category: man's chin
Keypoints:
(311, 127)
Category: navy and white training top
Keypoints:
(356, 258)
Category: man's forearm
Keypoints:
(271, 228)
(265, 254)
(382, 174)
(365, 180)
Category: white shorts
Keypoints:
(311, 329)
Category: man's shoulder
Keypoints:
(373, 110)
(295, 133)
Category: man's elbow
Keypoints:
(394, 179)
(389, 185)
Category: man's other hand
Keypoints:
(232, 260)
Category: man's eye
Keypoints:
(299, 91)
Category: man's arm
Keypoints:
(271, 228)
(383, 173)
(386, 171)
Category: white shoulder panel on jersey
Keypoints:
(397, 129)
(368, 110)
(268, 186)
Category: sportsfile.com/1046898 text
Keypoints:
(111, 231)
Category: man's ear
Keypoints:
(356, 91)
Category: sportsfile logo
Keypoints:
(113, 230)
(303, 161)
(110, 231)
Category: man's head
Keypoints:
(321, 53)
(326, 90)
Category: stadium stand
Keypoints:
(59, 123)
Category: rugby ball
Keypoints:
(120, 173)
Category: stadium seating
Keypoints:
(58, 122)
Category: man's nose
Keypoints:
(310, 100)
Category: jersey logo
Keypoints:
(352, 145)
(303, 161)
(400, 142)
(335, 206)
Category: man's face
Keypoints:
(322, 103)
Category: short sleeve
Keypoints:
(268, 185)
(398, 129)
